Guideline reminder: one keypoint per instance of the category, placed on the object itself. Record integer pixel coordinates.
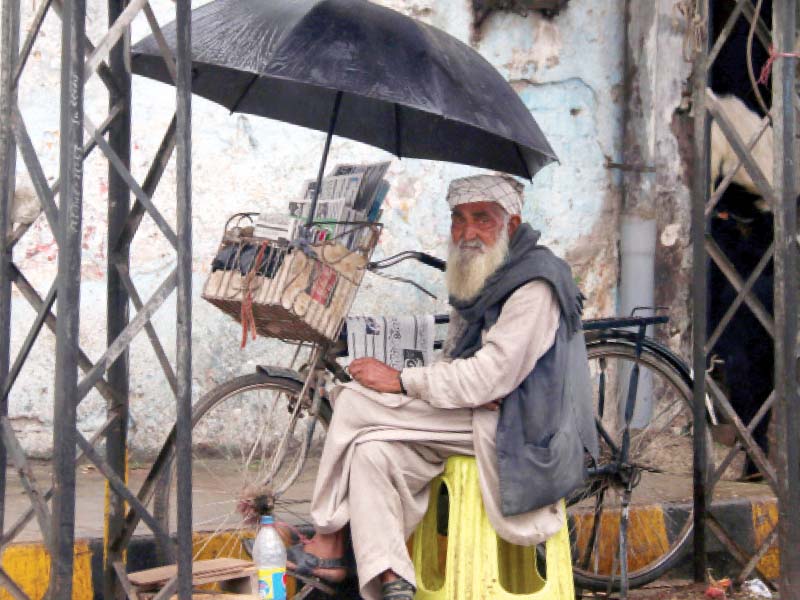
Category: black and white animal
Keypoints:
(742, 226)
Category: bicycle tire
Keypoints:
(235, 395)
(673, 502)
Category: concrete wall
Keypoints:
(567, 70)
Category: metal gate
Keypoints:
(62, 204)
(783, 477)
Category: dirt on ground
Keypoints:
(683, 590)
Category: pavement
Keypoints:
(747, 511)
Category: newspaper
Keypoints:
(399, 342)
(274, 226)
(349, 197)
(372, 175)
(335, 186)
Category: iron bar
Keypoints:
(784, 22)
(169, 59)
(123, 340)
(726, 181)
(125, 174)
(20, 231)
(183, 338)
(151, 180)
(30, 38)
(736, 281)
(762, 31)
(163, 461)
(730, 544)
(36, 172)
(724, 33)
(11, 586)
(28, 481)
(700, 191)
(33, 298)
(30, 339)
(102, 69)
(122, 577)
(23, 520)
(117, 300)
(161, 355)
(740, 149)
(9, 25)
(747, 286)
(762, 411)
(756, 558)
(753, 449)
(68, 303)
(169, 588)
(116, 30)
(120, 488)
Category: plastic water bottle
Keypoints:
(269, 554)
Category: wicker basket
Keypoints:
(288, 291)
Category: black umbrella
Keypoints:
(364, 71)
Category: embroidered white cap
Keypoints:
(503, 189)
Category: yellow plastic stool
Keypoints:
(478, 563)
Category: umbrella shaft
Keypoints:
(331, 127)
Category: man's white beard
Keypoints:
(469, 265)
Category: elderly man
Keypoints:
(514, 344)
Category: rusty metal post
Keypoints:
(700, 191)
(183, 446)
(117, 301)
(69, 282)
(784, 22)
(8, 155)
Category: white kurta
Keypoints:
(382, 450)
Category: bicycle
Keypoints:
(274, 469)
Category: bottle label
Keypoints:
(272, 584)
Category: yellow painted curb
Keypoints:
(29, 566)
(765, 519)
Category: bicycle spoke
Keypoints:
(591, 547)
(643, 413)
(244, 435)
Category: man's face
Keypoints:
(477, 225)
(480, 233)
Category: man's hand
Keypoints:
(375, 375)
(493, 405)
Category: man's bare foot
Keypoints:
(326, 546)
(389, 576)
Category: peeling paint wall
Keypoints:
(567, 71)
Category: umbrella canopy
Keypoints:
(402, 85)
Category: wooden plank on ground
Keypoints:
(201, 569)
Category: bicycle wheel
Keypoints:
(658, 470)
(238, 430)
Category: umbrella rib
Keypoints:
(244, 93)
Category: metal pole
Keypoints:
(183, 444)
(331, 127)
(8, 155)
(68, 307)
(700, 191)
(785, 211)
(119, 138)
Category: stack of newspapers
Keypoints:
(350, 196)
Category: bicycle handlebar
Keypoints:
(424, 258)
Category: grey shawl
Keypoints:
(547, 423)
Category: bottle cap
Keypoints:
(267, 519)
